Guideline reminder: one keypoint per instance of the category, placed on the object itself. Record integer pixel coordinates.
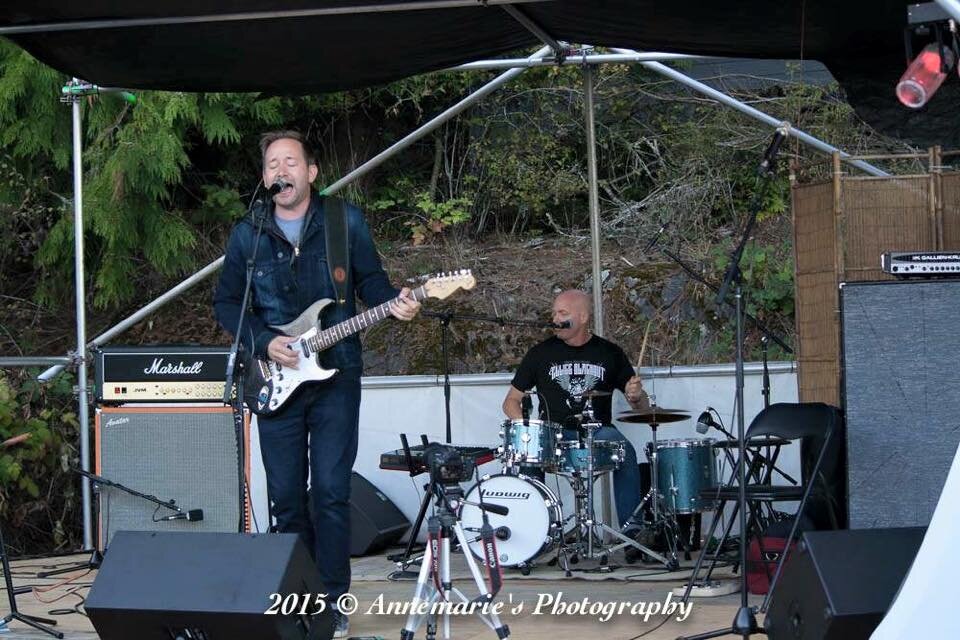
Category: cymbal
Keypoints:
(654, 415)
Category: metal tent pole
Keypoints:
(431, 125)
(590, 125)
(723, 98)
(81, 354)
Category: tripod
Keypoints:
(431, 599)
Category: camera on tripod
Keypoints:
(446, 464)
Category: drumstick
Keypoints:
(643, 346)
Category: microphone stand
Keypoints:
(767, 333)
(745, 621)
(233, 390)
(445, 317)
(96, 558)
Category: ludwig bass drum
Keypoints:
(530, 529)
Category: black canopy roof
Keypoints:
(309, 46)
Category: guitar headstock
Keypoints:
(445, 284)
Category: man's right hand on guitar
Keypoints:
(279, 352)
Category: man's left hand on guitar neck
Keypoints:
(404, 307)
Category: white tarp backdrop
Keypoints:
(414, 404)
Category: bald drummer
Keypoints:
(570, 364)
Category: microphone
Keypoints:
(656, 236)
(526, 406)
(502, 533)
(498, 509)
(194, 515)
(704, 422)
(279, 185)
(566, 324)
(768, 164)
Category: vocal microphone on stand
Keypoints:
(193, 515)
(279, 185)
(566, 324)
(259, 206)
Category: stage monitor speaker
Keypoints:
(182, 453)
(375, 522)
(189, 586)
(839, 584)
(902, 398)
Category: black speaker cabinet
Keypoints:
(175, 585)
(183, 453)
(839, 584)
(901, 349)
(375, 522)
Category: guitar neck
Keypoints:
(334, 334)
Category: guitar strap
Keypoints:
(338, 245)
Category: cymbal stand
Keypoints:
(662, 517)
(587, 517)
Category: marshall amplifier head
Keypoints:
(160, 373)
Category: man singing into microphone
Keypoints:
(570, 364)
(291, 272)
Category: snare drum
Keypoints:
(684, 468)
(532, 526)
(574, 457)
(529, 442)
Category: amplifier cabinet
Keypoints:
(183, 453)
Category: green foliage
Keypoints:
(35, 495)
(435, 217)
(767, 279)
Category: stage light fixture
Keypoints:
(927, 71)
(924, 76)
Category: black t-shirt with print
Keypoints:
(559, 372)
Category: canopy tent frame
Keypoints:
(539, 58)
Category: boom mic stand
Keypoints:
(96, 557)
(233, 390)
(445, 317)
(745, 621)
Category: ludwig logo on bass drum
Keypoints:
(506, 495)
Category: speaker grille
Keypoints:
(187, 454)
(901, 355)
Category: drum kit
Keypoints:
(536, 525)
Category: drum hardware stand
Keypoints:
(443, 526)
(587, 519)
(745, 621)
(664, 521)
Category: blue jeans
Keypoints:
(626, 479)
(322, 419)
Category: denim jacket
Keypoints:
(286, 282)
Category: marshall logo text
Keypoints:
(165, 369)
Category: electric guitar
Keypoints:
(269, 385)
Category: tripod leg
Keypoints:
(419, 595)
(404, 560)
(491, 618)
